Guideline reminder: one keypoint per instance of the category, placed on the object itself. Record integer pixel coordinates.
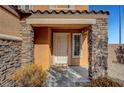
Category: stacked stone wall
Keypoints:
(10, 58)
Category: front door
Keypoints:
(60, 48)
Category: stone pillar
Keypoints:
(98, 48)
(27, 35)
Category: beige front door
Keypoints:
(60, 48)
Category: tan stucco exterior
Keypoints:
(9, 24)
(84, 51)
(42, 44)
(40, 7)
(43, 50)
(46, 7)
(82, 7)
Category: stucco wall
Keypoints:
(40, 7)
(115, 69)
(111, 52)
(46, 7)
(43, 42)
(82, 7)
(42, 47)
(84, 51)
(9, 24)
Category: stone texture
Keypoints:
(10, 59)
(27, 35)
(98, 48)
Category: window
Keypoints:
(76, 41)
(25, 7)
(62, 7)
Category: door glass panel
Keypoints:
(76, 45)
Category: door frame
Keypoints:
(68, 44)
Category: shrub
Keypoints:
(29, 75)
(104, 82)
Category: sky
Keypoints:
(113, 21)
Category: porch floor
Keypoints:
(73, 76)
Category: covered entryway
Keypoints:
(60, 39)
(44, 22)
(60, 48)
(64, 46)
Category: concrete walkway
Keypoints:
(71, 77)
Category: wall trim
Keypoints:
(10, 37)
(60, 21)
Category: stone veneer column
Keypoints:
(98, 48)
(27, 35)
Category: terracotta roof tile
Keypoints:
(68, 12)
